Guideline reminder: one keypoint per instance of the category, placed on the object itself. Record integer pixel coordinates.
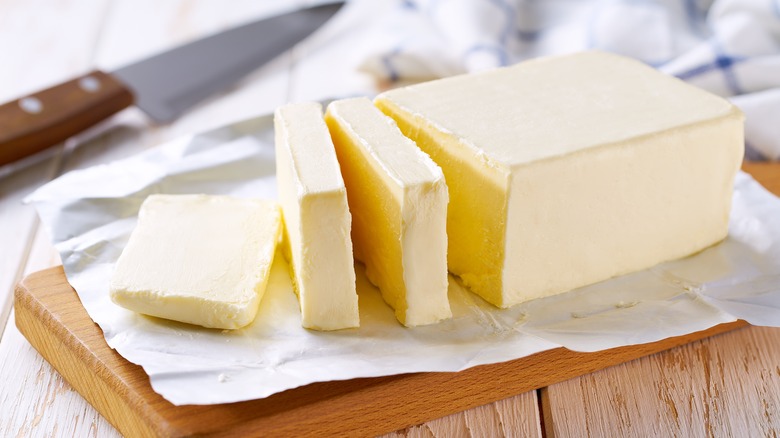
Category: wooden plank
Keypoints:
(49, 314)
(519, 415)
(42, 58)
(723, 386)
(514, 416)
(30, 387)
(39, 49)
(18, 223)
(728, 385)
(29, 392)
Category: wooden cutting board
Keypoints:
(49, 314)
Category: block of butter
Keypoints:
(198, 259)
(316, 217)
(398, 199)
(566, 171)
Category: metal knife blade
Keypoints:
(163, 86)
(167, 84)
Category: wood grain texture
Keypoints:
(515, 416)
(59, 113)
(34, 398)
(768, 174)
(28, 393)
(50, 316)
(724, 386)
(35, 54)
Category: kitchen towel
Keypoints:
(728, 47)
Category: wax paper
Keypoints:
(89, 214)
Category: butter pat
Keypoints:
(570, 170)
(316, 217)
(398, 199)
(198, 259)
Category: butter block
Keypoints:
(316, 217)
(566, 171)
(198, 259)
(398, 199)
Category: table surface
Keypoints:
(724, 386)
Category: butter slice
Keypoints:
(198, 259)
(569, 170)
(398, 199)
(317, 219)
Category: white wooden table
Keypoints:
(725, 386)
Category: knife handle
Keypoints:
(35, 122)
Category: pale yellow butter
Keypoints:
(316, 217)
(198, 259)
(566, 171)
(398, 199)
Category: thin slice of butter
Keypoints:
(398, 199)
(316, 217)
(569, 170)
(198, 259)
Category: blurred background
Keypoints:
(729, 47)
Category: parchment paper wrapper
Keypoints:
(90, 213)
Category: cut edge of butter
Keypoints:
(464, 124)
(189, 259)
(398, 199)
(317, 221)
(477, 194)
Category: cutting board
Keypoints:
(49, 314)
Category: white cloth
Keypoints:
(729, 47)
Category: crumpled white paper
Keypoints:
(90, 213)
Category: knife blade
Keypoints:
(163, 86)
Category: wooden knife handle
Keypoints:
(35, 122)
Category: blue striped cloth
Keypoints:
(729, 47)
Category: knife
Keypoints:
(163, 86)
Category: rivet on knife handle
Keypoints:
(35, 122)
